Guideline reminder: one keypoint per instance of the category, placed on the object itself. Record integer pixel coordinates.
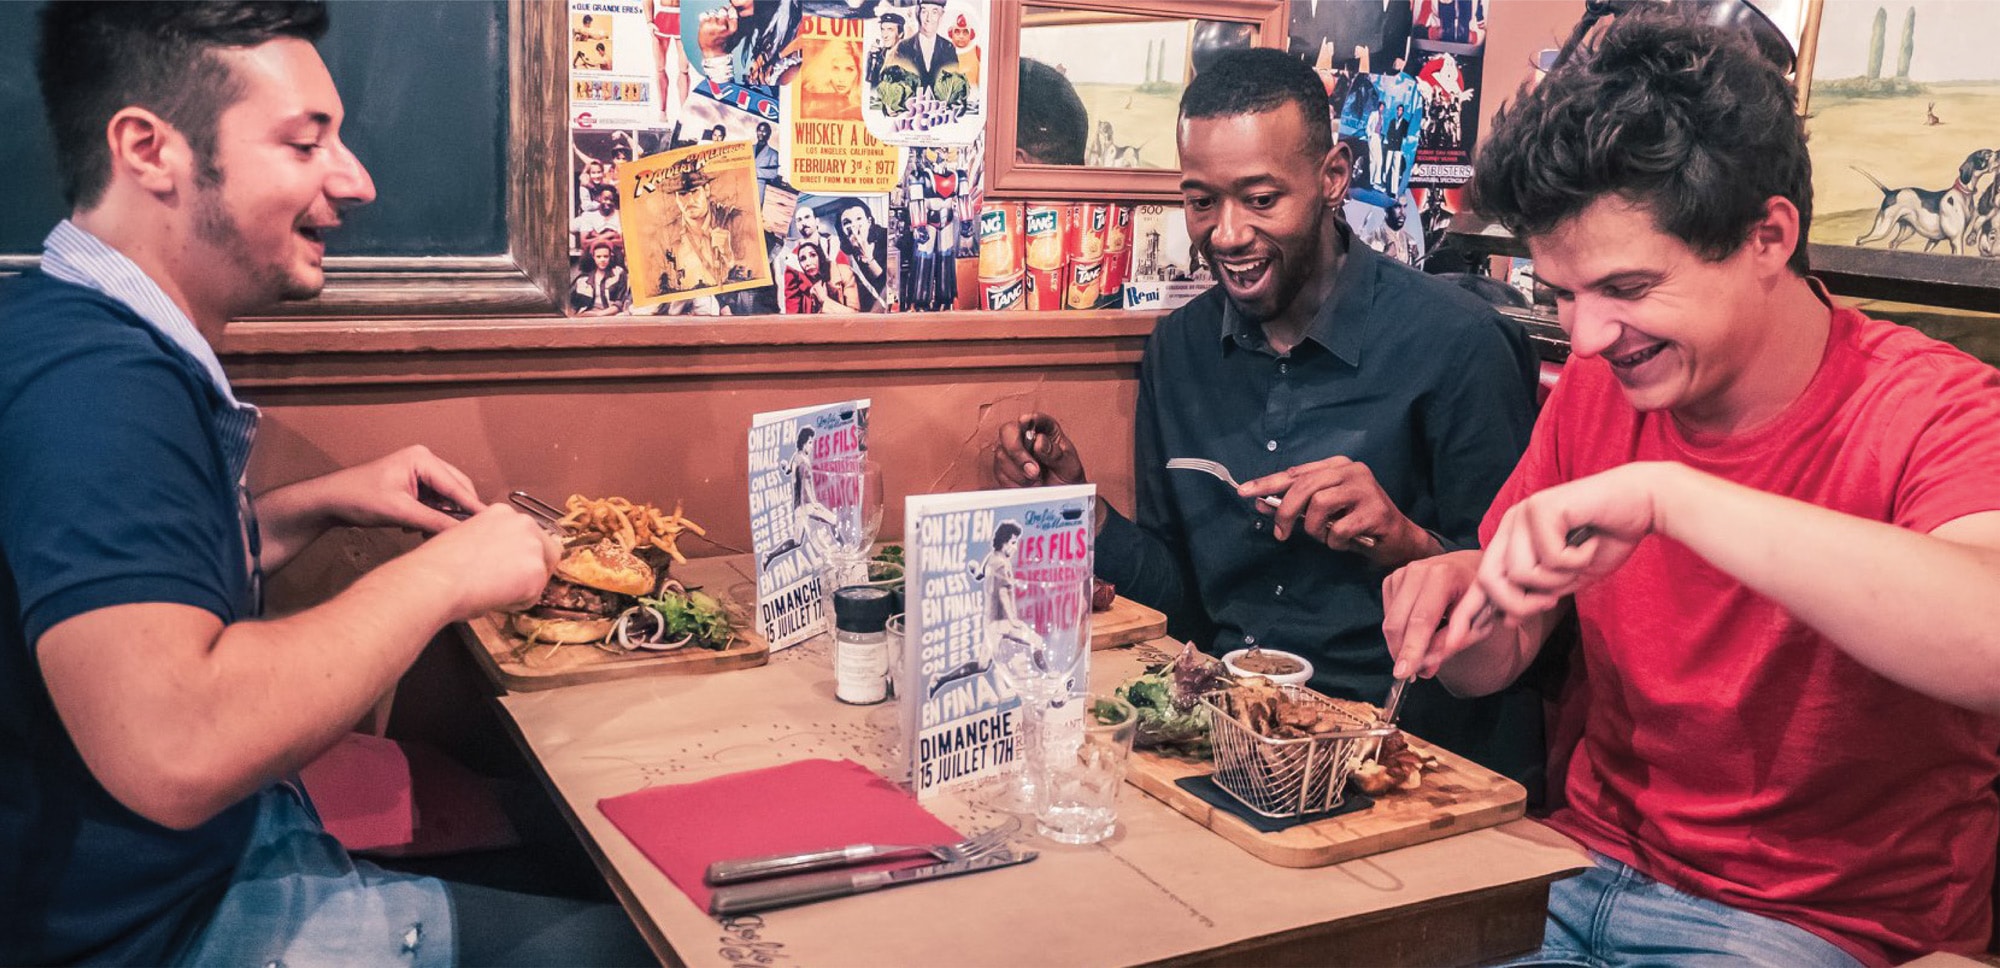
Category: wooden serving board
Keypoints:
(1125, 623)
(1458, 796)
(497, 648)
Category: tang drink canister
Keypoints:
(1000, 240)
(1042, 228)
(1004, 293)
(1117, 252)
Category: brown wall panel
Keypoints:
(673, 439)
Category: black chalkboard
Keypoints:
(425, 87)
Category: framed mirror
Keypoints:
(1125, 64)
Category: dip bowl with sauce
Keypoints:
(1282, 668)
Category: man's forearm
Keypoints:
(180, 718)
(1918, 609)
(289, 519)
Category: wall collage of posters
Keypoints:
(747, 157)
(1402, 83)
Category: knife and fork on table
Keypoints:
(762, 883)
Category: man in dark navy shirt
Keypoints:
(150, 716)
(1382, 408)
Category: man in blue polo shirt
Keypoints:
(1381, 407)
(149, 717)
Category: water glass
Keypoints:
(1076, 799)
(1040, 646)
(847, 513)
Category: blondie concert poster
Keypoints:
(692, 224)
(614, 75)
(830, 148)
(746, 42)
(923, 72)
(837, 257)
(790, 517)
(969, 635)
(1449, 85)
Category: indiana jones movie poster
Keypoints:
(692, 224)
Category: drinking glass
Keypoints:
(850, 492)
(1041, 651)
(1077, 796)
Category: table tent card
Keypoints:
(790, 522)
(964, 554)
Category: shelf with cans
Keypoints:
(1046, 257)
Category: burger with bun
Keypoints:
(582, 600)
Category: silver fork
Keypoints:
(1222, 474)
(971, 848)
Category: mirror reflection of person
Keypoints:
(1409, 456)
(1051, 126)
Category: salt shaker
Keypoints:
(861, 644)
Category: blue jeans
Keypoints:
(1612, 916)
(299, 900)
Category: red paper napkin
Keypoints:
(809, 805)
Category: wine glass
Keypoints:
(1039, 634)
(849, 490)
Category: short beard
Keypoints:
(213, 225)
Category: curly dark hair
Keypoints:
(96, 59)
(1257, 81)
(1688, 119)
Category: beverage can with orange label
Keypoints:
(1086, 281)
(1000, 240)
(1083, 236)
(1042, 228)
(1117, 252)
(1007, 293)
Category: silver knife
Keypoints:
(787, 891)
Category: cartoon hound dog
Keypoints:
(1106, 152)
(1942, 215)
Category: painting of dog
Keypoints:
(1903, 114)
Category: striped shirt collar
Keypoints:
(75, 256)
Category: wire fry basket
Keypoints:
(1281, 778)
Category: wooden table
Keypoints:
(1161, 890)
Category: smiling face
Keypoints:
(1257, 207)
(281, 176)
(1678, 331)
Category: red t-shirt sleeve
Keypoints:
(1541, 467)
(1954, 455)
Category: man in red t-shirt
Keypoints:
(1777, 521)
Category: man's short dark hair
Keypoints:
(606, 187)
(1688, 119)
(1257, 81)
(1052, 127)
(97, 59)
